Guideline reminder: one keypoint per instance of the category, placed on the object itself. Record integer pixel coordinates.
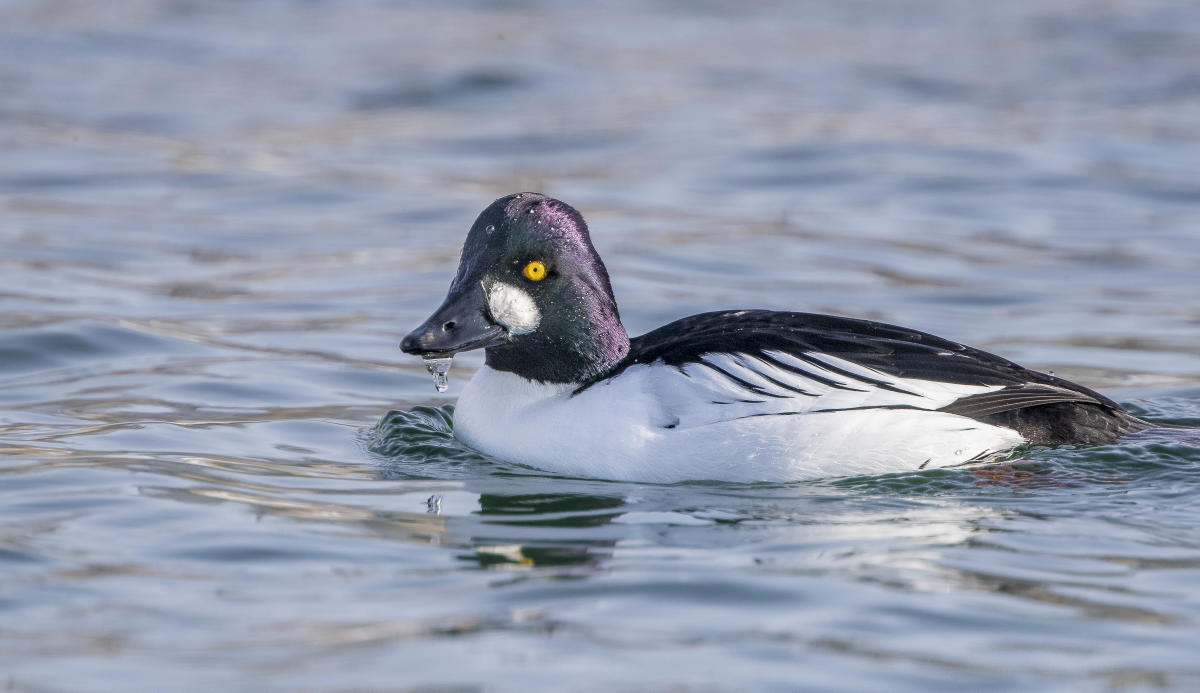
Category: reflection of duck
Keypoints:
(503, 525)
(498, 519)
(534, 512)
(745, 395)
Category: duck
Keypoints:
(733, 395)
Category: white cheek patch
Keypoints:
(512, 307)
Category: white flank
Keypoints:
(654, 423)
(512, 307)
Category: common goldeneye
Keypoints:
(744, 395)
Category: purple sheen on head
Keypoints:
(580, 333)
(549, 211)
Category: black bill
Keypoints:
(462, 323)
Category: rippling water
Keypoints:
(219, 473)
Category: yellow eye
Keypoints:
(535, 271)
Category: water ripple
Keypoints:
(218, 468)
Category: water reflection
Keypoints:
(213, 243)
(918, 533)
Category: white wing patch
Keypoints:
(724, 387)
(512, 307)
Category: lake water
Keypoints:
(219, 218)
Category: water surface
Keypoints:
(218, 471)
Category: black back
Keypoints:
(1030, 401)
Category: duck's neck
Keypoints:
(574, 350)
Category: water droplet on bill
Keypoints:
(438, 368)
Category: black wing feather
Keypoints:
(1028, 395)
(889, 349)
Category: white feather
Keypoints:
(659, 423)
(512, 307)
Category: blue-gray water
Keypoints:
(217, 220)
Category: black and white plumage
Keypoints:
(746, 395)
(827, 357)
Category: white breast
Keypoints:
(658, 423)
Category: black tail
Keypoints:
(1071, 423)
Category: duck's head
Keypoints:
(531, 290)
